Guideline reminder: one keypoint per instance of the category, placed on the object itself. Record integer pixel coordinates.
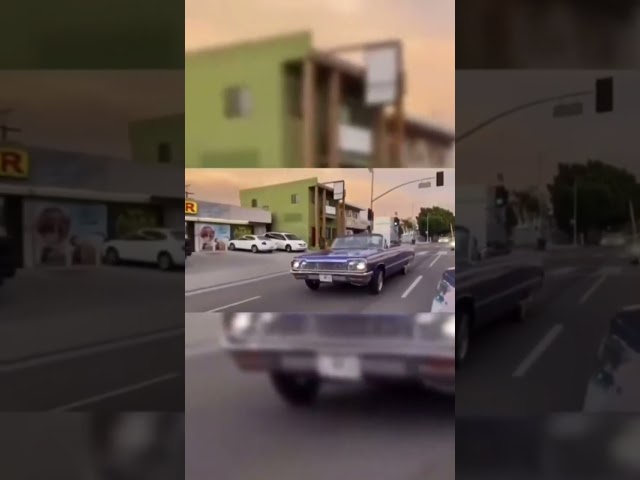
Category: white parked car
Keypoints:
(255, 243)
(289, 242)
(613, 240)
(162, 246)
(444, 240)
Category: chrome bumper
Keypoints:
(354, 278)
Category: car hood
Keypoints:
(340, 254)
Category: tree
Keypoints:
(435, 220)
(407, 224)
(603, 194)
(527, 205)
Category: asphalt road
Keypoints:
(236, 428)
(282, 293)
(543, 365)
(141, 373)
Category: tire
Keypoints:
(463, 336)
(165, 262)
(111, 257)
(254, 249)
(232, 246)
(296, 390)
(288, 248)
(377, 282)
(313, 284)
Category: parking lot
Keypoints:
(243, 281)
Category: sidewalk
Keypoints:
(205, 270)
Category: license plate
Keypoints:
(339, 367)
(326, 278)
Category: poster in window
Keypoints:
(68, 233)
(212, 237)
(238, 231)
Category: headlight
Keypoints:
(240, 324)
(359, 265)
(449, 326)
(296, 264)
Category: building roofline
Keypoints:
(250, 42)
(428, 129)
(303, 180)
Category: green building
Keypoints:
(278, 102)
(293, 209)
(158, 140)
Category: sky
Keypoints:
(86, 111)
(526, 147)
(223, 186)
(427, 28)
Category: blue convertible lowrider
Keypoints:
(363, 260)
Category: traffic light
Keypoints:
(396, 222)
(370, 215)
(501, 196)
(604, 95)
(439, 178)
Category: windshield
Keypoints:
(291, 236)
(359, 241)
(262, 237)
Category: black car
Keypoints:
(491, 284)
(188, 247)
(7, 258)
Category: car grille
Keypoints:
(333, 266)
(373, 326)
(335, 326)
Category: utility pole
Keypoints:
(187, 193)
(371, 202)
(575, 212)
(634, 231)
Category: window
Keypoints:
(164, 152)
(295, 198)
(237, 102)
(254, 203)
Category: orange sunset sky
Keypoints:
(427, 28)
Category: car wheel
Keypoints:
(463, 336)
(165, 262)
(112, 257)
(254, 249)
(232, 246)
(377, 282)
(296, 390)
(313, 284)
(288, 248)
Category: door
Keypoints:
(243, 243)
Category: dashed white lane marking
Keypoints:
(190, 293)
(116, 392)
(537, 352)
(592, 289)
(218, 309)
(433, 262)
(561, 271)
(411, 287)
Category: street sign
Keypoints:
(424, 185)
(338, 191)
(383, 67)
(568, 110)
